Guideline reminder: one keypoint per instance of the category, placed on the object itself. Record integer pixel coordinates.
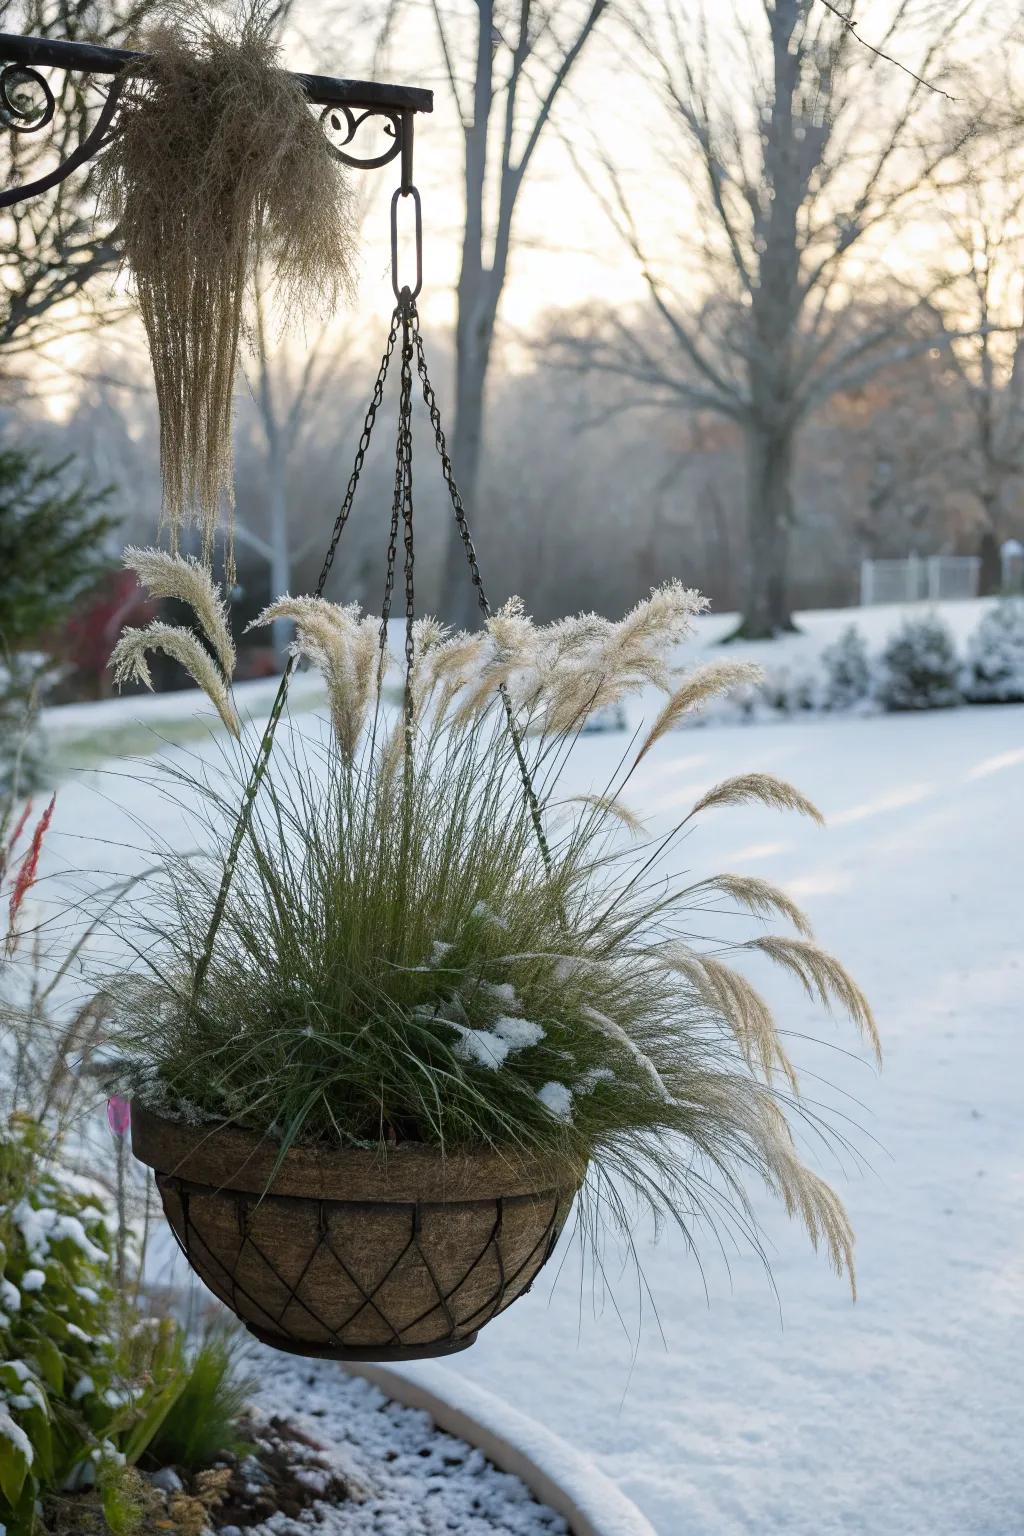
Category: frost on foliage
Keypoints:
(847, 670)
(919, 667)
(10, 1296)
(994, 673)
(482, 913)
(34, 1280)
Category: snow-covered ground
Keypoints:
(800, 1412)
(790, 1409)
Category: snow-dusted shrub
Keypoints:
(920, 669)
(63, 1409)
(995, 656)
(790, 690)
(847, 667)
(88, 1386)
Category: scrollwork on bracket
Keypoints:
(89, 146)
(344, 120)
(17, 115)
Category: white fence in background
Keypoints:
(919, 580)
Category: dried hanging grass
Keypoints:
(216, 165)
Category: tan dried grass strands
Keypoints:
(128, 660)
(216, 164)
(717, 677)
(762, 787)
(823, 977)
(189, 582)
(816, 1203)
(741, 1006)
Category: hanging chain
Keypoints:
(462, 523)
(406, 316)
(262, 760)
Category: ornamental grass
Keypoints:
(416, 948)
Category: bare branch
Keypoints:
(880, 53)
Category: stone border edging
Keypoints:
(559, 1476)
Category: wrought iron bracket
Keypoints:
(28, 105)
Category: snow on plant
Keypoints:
(847, 670)
(88, 1385)
(418, 946)
(57, 1308)
(994, 671)
(920, 669)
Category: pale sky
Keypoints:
(565, 252)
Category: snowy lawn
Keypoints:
(799, 1412)
(789, 1409)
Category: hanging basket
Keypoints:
(351, 1255)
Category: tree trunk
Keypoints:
(280, 553)
(473, 347)
(769, 493)
(990, 572)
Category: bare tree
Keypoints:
(286, 390)
(795, 152)
(524, 55)
(53, 254)
(986, 226)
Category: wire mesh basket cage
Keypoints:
(353, 1254)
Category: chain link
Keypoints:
(406, 316)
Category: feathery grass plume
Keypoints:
(758, 896)
(344, 648)
(824, 977)
(743, 1008)
(128, 660)
(762, 787)
(400, 962)
(216, 163)
(703, 684)
(189, 582)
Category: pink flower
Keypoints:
(119, 1115)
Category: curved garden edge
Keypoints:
(559, 1476)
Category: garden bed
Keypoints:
(332, 1455)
